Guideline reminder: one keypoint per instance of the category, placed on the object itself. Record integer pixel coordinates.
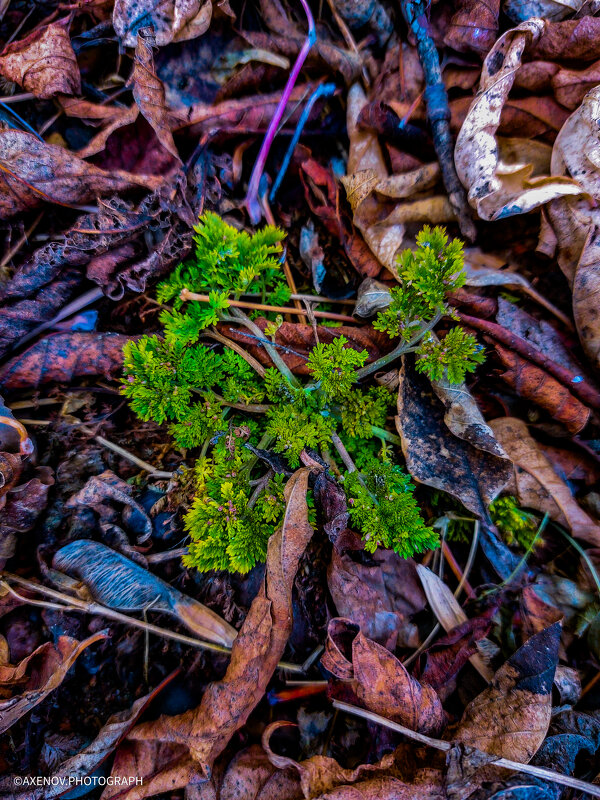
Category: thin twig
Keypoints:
(69, 603)
(439, 744)
(237, 348)
(185, 294)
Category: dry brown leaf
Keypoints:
(322, 778)
(501, 185)
(474, 26)
(205, 731)
(370, 189)
(56, 661)
(514, 436)
(380, 680)
(173, 20)
(43, 63)
(510, 718)
(149, 91)
(32, 172)
(573, 39)
(111, 117)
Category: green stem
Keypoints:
(381, 433)
(275, 357)
(399, 350)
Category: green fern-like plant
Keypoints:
(426, 276)
(212, 398)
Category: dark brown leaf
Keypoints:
(63, 357)
(573, 39)
(23, 506)
(149, 91)
(436, 457)
(43, 63)
(32, 172)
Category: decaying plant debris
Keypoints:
(299, 434)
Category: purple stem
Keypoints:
(252, 202)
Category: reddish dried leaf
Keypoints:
(32, 172)
(573, 39)
(173, 20)
(43, 63)
(534, 384)
(380, 597)
(571, 86)
(64, 357)
(510, 718)
(149, 91)
(381, 681)
(474, 26)
(300, 339)
(46, 669)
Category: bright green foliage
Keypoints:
(209, 396)
(228, 527)
(457, 354)
(518, 527)
(382, 505)
(333, 366)
(162, 379)
(226, 264)
(426, 276)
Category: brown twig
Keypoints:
(204, 298)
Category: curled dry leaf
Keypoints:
(369, 190)
(32, 172)
(534, 384)
(43, 63)
(173, 20)
(474, 26)
(63, 357)
(205, 731)
(323, 778)
(502, 184)
(573, 40)
(510, 718)
(44, 670)
(514, 436)
(380, 680)
(149, 90)
(122, 584)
